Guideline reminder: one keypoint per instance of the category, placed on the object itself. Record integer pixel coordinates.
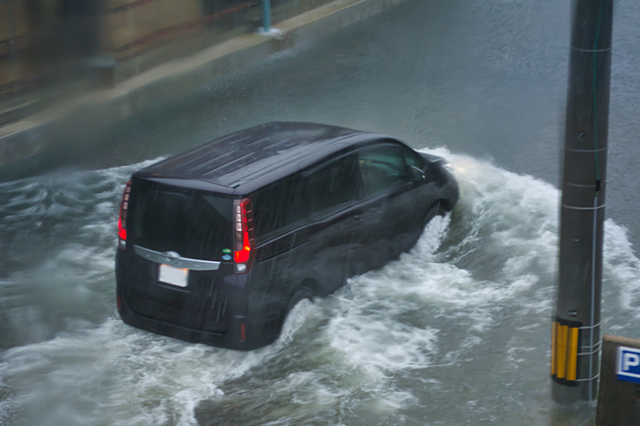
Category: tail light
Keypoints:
(122, 219)
(243, 234)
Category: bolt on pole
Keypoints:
(575, 340)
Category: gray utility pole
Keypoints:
(575, 346)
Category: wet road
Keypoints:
(455, 332)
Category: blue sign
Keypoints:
(628, 364)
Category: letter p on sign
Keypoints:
(628, 364)
(630, 360)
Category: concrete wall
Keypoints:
(39, 37)
(53, 50)
(175, 78)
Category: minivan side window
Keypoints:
(412, 158)
(382, 167)
(279, 207)
(333, 187)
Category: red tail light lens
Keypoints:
(122, 219)
(243, 233)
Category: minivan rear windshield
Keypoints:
(192, 223)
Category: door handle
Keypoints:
(357, 218)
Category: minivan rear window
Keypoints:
(194, 224)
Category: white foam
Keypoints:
(495, 255)
(295, 320)
(503, 220)
(134, 376)
(621, 268)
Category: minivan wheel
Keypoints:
(298, 296)
(437, 209)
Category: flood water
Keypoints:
(457, 331)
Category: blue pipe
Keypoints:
(266, 15)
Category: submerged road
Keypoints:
(455, 332)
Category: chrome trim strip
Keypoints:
(172, 258)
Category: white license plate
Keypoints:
(174, 276)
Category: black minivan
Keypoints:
(217, 244)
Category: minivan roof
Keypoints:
(246, 160)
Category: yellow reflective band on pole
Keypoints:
(554, 336)
(572, 356)
(564, 351)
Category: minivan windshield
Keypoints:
(194, 224)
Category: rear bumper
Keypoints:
(237, 337)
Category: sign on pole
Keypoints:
(628, 364)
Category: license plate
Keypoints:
(174, 276)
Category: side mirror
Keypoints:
(416, 174)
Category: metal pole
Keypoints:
(266, 16)
(575, 346)
(15, 68)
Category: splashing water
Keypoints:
(455, 331)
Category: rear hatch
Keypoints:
(179, 250)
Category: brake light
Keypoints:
(122, 219)
(243, 234)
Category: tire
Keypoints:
(298, 296)
(437, 209)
